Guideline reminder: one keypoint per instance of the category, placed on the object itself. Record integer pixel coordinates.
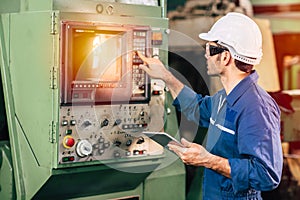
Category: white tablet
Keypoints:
(161, 138)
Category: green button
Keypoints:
(68, 131)
(65, 159)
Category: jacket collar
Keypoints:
(241, 88)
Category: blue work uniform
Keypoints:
(244, 127)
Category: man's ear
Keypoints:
(226, 57)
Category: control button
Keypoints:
(157, 89)
(139, 152)
(136, 152)
(157, 92)
(128, 142)
(142, 113)
(64, 122)
(68, 159)
(101, 140)
(68, 131)
(142, 86)
(127, 153)
(68, 141)
(73, 122)
(84, 148)
(101, 151)
(117, 154)
(117, 143)
(106, 145)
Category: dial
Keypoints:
(84, 148)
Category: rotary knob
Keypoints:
(117, 122)
(84, 148)
(86, 123)
(105, 122)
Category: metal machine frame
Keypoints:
(30, 71)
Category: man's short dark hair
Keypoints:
(243, 66)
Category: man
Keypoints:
(243, 154)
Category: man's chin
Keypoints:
(212, 74)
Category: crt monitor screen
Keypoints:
(97, 55)
(98, 63)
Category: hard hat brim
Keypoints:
(207, 37)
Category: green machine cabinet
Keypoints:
(77, 104)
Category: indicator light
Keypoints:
(68, 131)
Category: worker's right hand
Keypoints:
(190, 153)
(153, 67)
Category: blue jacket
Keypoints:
(243, 127)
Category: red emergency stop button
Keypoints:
(68, 141)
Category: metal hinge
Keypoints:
(53, 78)
(53, 71)
(53, 24)
(52, 132)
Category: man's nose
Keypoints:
(206, 55)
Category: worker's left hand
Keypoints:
(191, 153)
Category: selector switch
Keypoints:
(141, 140)
(117, 122)
(105, 122)
(87, 123)
(84, 148)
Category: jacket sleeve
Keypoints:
(190, 103)
(259, 145)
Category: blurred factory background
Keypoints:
(65, 134)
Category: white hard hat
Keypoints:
(240, 35)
